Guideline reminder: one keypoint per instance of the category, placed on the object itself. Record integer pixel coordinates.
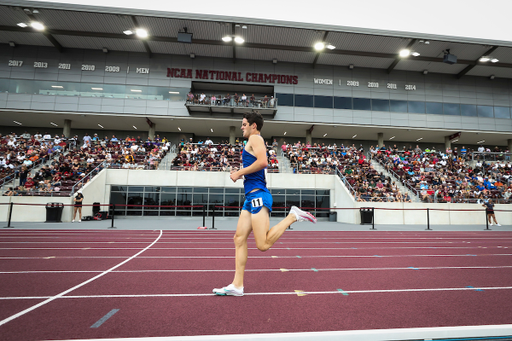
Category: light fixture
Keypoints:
(22, 24)
(455, 141)
(351, 66)
(421, 138)
(404, 53)
(227, 39)
(141, 33)
(425, 72)
(239, 40)
(244, 27)
(211, 130)
(54, 124)
(57, 86)
(491, 77)
(274, 61)
(174, 92)
(284, 133)
(135, 90)
(480, 142)
(134, 127)
(37, 25)
(99, 125)
(18, 123)
(325, 134)
(415, 54)
(319, 46)
(128, 32)
(99, 89)
(331, 46)
(192, 55)
(105, 50)
(12, 44)
(485, 59)
(179, 128)
(354, 136)
(392, 137)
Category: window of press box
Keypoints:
(285, 99)
(323, 102)
(342, 102)
(398, 106)
(416, 107)
(380, 104)
(304, 101)
(468, 110)
(451, 109)
(362, 104)
(501, 112)
(434, 108)
(485, 111)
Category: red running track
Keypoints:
(309, 281)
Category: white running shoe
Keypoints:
(73, 220)
(302, 215)
(229, 290)
(80, 221)
(490, 224)
(497, 224)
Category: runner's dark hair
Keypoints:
(254, 117)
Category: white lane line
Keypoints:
(21, 313)
(260, 270)
(370, 291)
(274, 248)
(257, 257)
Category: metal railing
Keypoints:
(490, 156)
(257, 103)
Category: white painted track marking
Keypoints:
(21, 313)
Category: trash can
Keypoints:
(366, 215)
(333, 216)
(95, 208)
(54, 212)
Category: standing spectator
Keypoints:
(489, 210)
(79, 198)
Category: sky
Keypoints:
(454, 18)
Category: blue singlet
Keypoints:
(253, 180)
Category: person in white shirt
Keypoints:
(47, 136)
(202, 98)
(134, 147)
(208, 141)
(38, 136)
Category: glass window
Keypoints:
(293, 192)
(362, 104)
(322, 202)
(132, 189)
(119, 188)
(4, 85)
(380, 105)
(416, 107)
(484, 111)
(169, 189)
(502, 112)
(323, 102)
(292, 200)
(307, 201)
(184, 189)
(468, 110)
(308, 192)
(322, 192)
(434, 108)
(398, 106)
(285, 99)
(303, 101)
(200, 190)
(152, 199)
(118, 198)
(451, 109)
(151, 189)
(342, 102)
(232, 190)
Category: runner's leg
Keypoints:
(243, 230)
(260, 223)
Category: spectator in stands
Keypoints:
(243, 100)
(213, 100)
(190, 97)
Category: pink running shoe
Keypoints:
(302, 215)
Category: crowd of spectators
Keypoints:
(78, 161)
(228, 100)
(221, 157)
(449, 176)
(364, 182)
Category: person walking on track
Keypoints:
(489, 210)
(257, 205)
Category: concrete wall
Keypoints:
(98, 190)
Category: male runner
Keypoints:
(257, 205)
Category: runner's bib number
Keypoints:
(258, 202)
